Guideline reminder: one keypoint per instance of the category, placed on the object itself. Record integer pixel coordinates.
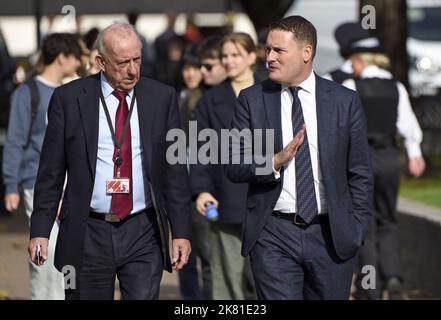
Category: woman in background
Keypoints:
(231, 273)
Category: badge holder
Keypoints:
(118, 185)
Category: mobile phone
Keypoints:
(38, 255)
(177, 261)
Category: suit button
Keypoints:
(84, 219)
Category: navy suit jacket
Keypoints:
(215, 110)
(70, 145)
(344, 161)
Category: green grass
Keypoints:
(425, 190)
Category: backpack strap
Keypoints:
(35, 100)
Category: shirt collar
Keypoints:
(108, 89)
(375, 72)
(46, 82)
(347, 66)
(308, 85)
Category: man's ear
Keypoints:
(307, 53)
(61, 58)
(101, 62)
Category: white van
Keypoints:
(424, 46)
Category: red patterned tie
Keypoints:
(122, 204)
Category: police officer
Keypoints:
(388, 113)
(344, 34)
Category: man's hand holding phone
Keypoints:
(38, 251)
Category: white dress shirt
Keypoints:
(407, 123)
(101, 201)
(287, 200)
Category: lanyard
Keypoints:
(118, 144)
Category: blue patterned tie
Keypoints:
(306, 200)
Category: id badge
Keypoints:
(118, 185)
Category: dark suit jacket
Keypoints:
(344, 161)
(215, 110)
(70, 145)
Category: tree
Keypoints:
(391, 28)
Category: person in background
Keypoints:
(59, 58)
(92, 66)
(85, 58)
(90, 41)
(148, 54)
(261, 68)
(188, 98)
(193, 90)
(231, 273)
(209, 53)
(192, 33)
(168, 70)
(162, 42)
(344, 34)
(389, 113)
(213, 73)
(90, 36)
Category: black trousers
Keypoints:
(293, 263)
(381, 247)
(130, 250)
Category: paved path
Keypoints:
(14, 272)
(14, 269)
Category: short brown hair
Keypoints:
(210, 48)
(56, 43)
(302, 29)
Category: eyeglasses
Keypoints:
(208, 66)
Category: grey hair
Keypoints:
(123, 28)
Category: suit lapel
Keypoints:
(88, 103)
(273, 106)
(325, 115)
(145, 119)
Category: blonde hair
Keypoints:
(376, 59)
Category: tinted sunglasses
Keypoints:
(208, 66)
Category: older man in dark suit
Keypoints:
(305, 220)
(108, 133)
